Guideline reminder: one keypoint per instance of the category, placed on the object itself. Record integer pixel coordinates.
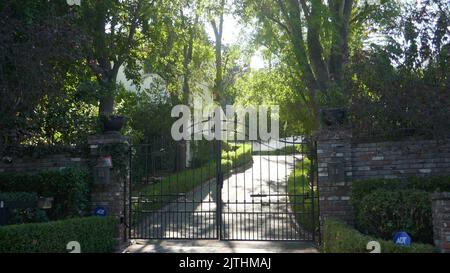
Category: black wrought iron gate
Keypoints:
(248, 190)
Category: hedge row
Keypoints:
(340, 238)
(95, 234)
(304, 203)
(286, 149)
(236, 155)
(429, 184)
(383, 207)
(69, 188)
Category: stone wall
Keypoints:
(441, 221)
(342, 159)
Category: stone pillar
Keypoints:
(109, 190)
(334, 174)
(441, 220)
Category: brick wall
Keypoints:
(334, 169)
(341, 160)
(109, 194)
(441, 221)
(49, 162)
(400, 159)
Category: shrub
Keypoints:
(301, 197)
(19, 196)
(362, 188)
(236, 155)
(23, 215)
(95, 234)
(202, 151)
(340, 238)
(382, 213)
(383, 206)
(69, 188)
(429, 184)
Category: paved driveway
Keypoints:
(208, 246)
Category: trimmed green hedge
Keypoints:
(69, 188)
(19, 196)
(300, 194)
(429, 184)
(95, 234)
(236, 155)
(340, 238)
(383, 207)
(382, 213)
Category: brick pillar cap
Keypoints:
(440, 196)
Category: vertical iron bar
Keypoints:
(219, 182)
(130, 223)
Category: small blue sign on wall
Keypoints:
(402, 238)
(100, 211)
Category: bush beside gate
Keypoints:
(95, 234)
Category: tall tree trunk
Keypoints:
(315, 49)
(218, 33)
(340, 11)
(188, 51)
(106, 106)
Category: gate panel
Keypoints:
(224, 190)
(173, 190)
(266, 199)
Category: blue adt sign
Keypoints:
(402, 238)
(100, 211)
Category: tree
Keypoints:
(401, 86)
(181, 55)
(119, 31)
(315, 34)
(216, 19)
(268, 87)
(39, 46)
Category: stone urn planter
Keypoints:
(334, 116)
(113, 123)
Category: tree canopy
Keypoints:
(386, 61)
